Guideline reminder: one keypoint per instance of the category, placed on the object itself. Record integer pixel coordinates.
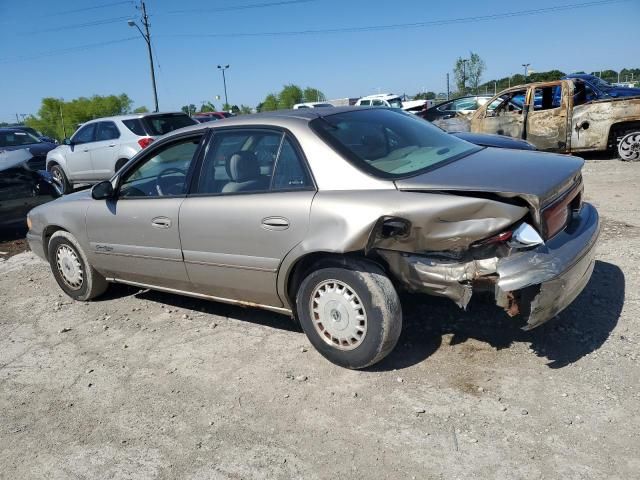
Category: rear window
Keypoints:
(135, 125)
(389, 143)
(162, 124)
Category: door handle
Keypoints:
(85, 150)
(161, 222)
(112, 145)
(275, 223)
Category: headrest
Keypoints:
(243, 166)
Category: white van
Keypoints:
(381, 100)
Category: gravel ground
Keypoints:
(148, 385)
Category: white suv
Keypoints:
(101, 147)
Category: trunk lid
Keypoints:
(536, 177)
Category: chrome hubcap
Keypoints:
(629, 147)
(69, 267)
(338, 315)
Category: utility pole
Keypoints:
(64, 130)
(447, 86)
(526, 67)
(495, 87)
(224, 82)
(464, 76)
(147, 38)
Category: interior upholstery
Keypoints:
(244, 173)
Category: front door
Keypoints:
(78, 154)
(547, 117)
(135, 236)
(503, 116)
(249, 208)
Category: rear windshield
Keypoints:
(161, 124)
(390, 143)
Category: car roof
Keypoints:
(131, 116)
(276, 118)
(383, 96)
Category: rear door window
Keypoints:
(107, 131)
(162, 124)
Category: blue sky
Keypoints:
(403, 60)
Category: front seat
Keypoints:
(244, 174)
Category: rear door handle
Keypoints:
(275, 223)
(161, 222)
(112, 145)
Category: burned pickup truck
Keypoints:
(564, 116)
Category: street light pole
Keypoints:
(224, 82)
(147, 38)
(526, 67)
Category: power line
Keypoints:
(431, 23)
(95, 7)
(240, 7)
(65, 50)
(80, 25)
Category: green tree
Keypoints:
(289, 96)
(425, 96)
(189, 109)
(141, 109)
(59, 119)
(311, 94)
(245, 110)
(468, 71)
(270, 103)
(207, 107)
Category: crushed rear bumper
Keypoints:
(537, 284)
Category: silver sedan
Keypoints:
(324, 215)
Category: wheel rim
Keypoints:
(57, 176)
(69, 267)
(338, 315)
(629, 147)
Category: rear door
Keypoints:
(78, 154)
(104, 150)
(249, 207)
(547, 117)
(503, 116)
(135, 237)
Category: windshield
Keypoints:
(395, 102)
(161, 124)
(390, 143)
(15, 138)
(598, 82)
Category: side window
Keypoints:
(107, 131)
(446, 107)
(135, 125)
(365, 102)
(86, 134)
(465, 104)
(243, 161)
(508, 104)
(290, 173)
(583, 93)
(547, 98)
(377, 103)
(163, 173)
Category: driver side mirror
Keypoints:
(67, 141)
(102, 191)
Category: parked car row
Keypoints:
(325, 214)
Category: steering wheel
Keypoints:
(163, 185)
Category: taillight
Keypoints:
(499, 238)
(557, 216)
(145, 142)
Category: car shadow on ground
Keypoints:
(579, 330)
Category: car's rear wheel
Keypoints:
(61, 179)
(629, 147)
(351, 315)
(71, 269)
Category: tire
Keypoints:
(120, 163)
(351, 315)
(71, 269)
(629, 147)
(58, 174)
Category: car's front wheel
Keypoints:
(61, 179)
(351, 315)
(629, 147)
(71, 269)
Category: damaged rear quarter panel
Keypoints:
(343, 222)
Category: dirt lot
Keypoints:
(148, 385)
